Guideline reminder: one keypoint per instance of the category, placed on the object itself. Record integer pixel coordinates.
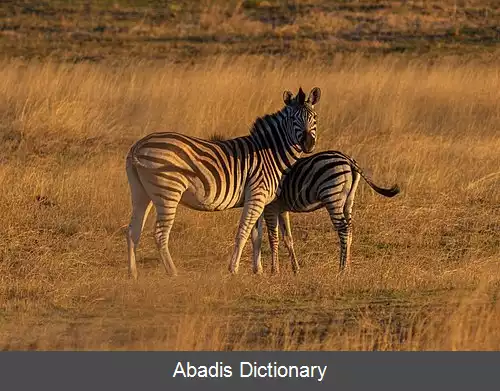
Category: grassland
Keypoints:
(182, 30)
(426, 270)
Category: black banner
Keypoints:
(139, 371)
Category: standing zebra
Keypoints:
(326, 179)
(166, 169)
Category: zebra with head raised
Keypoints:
(324, 180)
(165, 169)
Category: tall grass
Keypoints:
(426, 269)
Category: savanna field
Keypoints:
(426, 263)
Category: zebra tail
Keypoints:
(386, 192)
(132, 172)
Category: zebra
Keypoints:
(166, 169)
(324, 180)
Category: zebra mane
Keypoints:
(299, 102)
(220, 137)
(216, 136)
(265, 119)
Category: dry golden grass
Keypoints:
(426, 272)
(183, 29)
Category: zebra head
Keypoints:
(303, 117)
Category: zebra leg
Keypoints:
(348, 215)
(141, 205)
(166, 207)
(286, 231)
(251, 213)
(340, 213)
(345, 235)
(164, 222)
(271, 217)
(257, 246)
(342, 226)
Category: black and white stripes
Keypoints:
(168, 169)
(326, 179)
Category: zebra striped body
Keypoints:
(324, 180)
(168, 169)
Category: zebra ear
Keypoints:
(287, 97)
(301, 96)
(314, 96)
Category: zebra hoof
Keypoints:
(344, 271)
(233, 270)
(133, 275)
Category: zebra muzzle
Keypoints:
(308, 143)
